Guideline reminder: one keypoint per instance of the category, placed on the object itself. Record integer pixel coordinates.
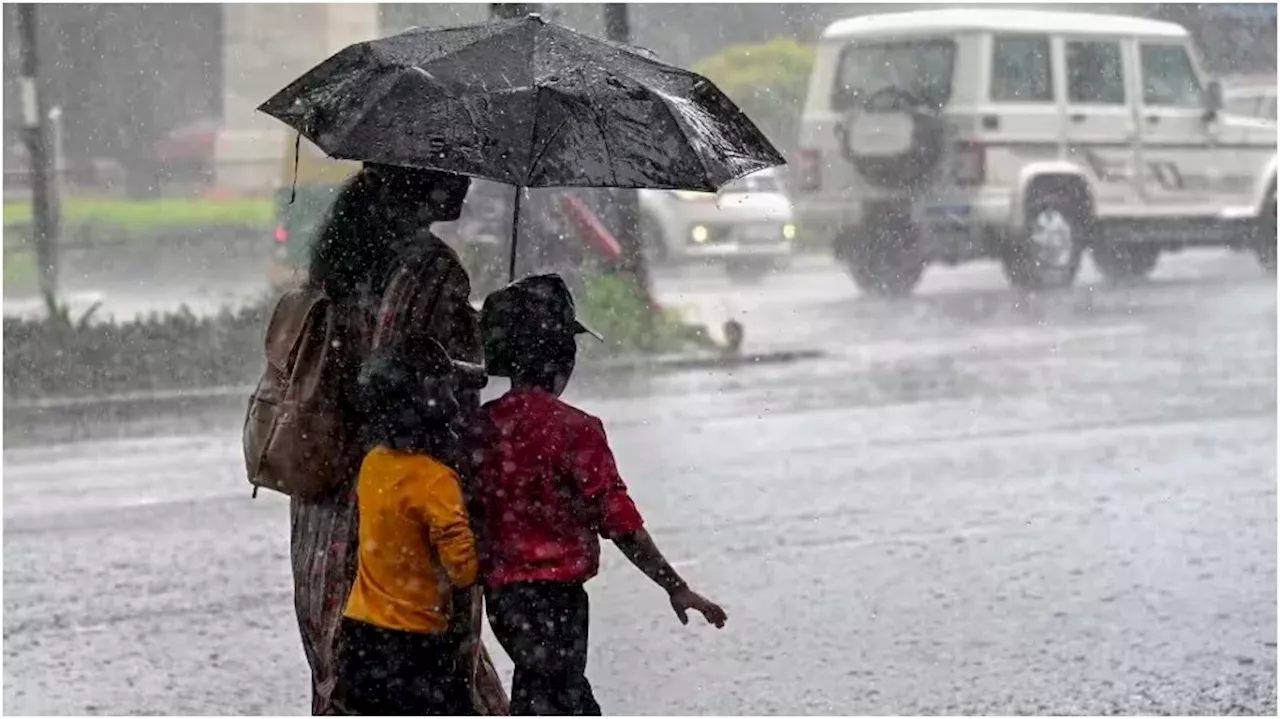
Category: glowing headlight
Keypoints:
(700, 234)
(789, 231)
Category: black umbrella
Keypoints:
(528, 103)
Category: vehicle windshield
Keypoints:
(922, 67)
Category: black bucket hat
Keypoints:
(535, 308)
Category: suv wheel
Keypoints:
(1047, 253)
(886, 264)
(1121, 262)
(1264, 244)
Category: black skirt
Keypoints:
(389, 672)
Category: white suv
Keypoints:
(1027, 136)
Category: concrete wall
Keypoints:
(265, 47)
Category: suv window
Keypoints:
(1095, 73)
(1168, 78)
(1020, 69)
(920, 67)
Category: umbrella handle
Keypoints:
(515, 236)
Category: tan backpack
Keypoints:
(295, 441)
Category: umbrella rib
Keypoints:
(604, 142)
(496, 33)
(604, 139)
(546, 146)
(364, 111)
(533, 133)
(687, 141)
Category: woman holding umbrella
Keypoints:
(522, 102)
(388, 277)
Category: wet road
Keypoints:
(978, 502)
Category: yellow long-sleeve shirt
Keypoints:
(416, 543)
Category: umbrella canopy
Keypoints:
(527, 103)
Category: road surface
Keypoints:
(977, 502)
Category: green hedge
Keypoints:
(74, 356)
(45, 358)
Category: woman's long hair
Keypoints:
(344, 248)
(361, 240)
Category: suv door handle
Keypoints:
(1078, 117)
(1153, 119)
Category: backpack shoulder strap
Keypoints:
(411, 298)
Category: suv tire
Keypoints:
(882, 264)
(1047, 253)
(1122, 262)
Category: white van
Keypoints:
(1027, 136)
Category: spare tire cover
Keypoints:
(892, 140)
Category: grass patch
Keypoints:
(20, 271)
(143, 215)
(615, 307)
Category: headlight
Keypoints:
(700, 234)
(789, 231)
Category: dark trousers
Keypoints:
(543, 628)
(392, 673)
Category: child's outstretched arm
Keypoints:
(644, 554)
(591, 462)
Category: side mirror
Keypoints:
(1213, 100)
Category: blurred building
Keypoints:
(167, 91)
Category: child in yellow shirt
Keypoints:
(396, 653)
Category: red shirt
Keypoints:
(548, 488)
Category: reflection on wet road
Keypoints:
(978, 501)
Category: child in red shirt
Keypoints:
(548, 487)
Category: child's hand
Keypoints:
(682, 600)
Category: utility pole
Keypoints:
(617, 27)
(44, 200)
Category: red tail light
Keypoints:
(282, 234)
(969, 166)
(809, 175)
